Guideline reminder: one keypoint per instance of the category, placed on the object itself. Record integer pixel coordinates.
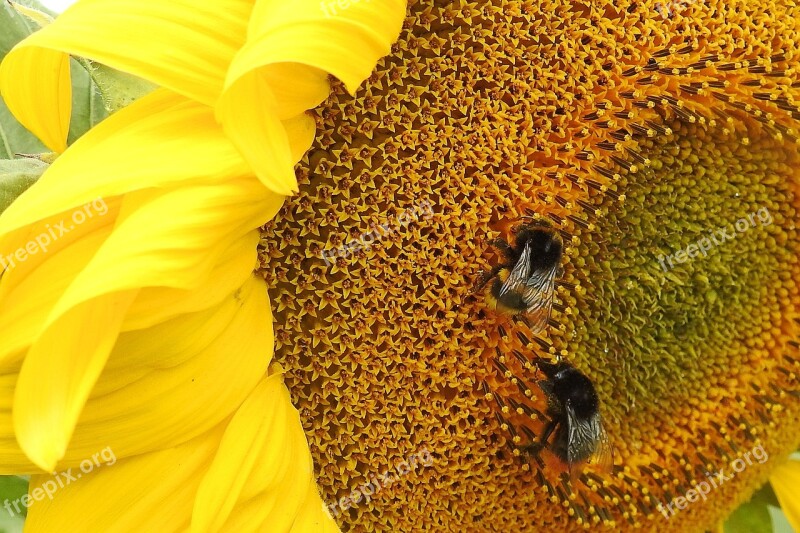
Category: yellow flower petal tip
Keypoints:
(785, 479)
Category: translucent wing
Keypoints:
(604, 454)
(588, 441)
(538, 294)
(536, 287)
(520, 273)
(582, 436)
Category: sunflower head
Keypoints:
(662, 149)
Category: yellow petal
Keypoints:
(172, 382)
(154, 305)
(165, 384)
(171, 239)
(262, 472)
(313, 517)
(252, 473)
(249, 118)
(282, 70)
(149, 492)
(29, 289)
(182, 45)
(785, 480)
(161, 140)
(301, 130)
(59, 372)
(36, 86)
(346, 42)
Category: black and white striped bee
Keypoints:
(525, 283)
(574, 422)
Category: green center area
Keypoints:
(684, 278)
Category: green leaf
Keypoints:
(13, 28)
(753, 516)
(87, 103)
(766, 495)
(97, 90)
(749, 518)
(87, 106)
(16, 175)
(11, 524)
(116, 88)
(16, 27)
(12, 488)
(14, 138)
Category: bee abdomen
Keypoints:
(511, 302)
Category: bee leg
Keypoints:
(534, 451)
(506, 249)
(485, 277)
(535, 448)
(548, 430)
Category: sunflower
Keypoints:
(135, 333)
(662, 145)
(643, 132)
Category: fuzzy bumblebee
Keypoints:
(525, 283)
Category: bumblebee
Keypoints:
(526, 282)
(574, 422)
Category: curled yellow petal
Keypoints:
(205, 361)
(182, 45)
(158, 494)
(250, 473)
(172, 382)
(58, 373)
(282, 70)
(36, 86)
(32, 281)
(248, 116)
(345, 42)
(171, 239)
(154, 305)
(162, 140)
(262, 472)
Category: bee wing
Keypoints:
(588, 440)
(520, 273)
(582, 436)
(604, 454)
(539, 291)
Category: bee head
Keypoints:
(572, 386)
(544, 242)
